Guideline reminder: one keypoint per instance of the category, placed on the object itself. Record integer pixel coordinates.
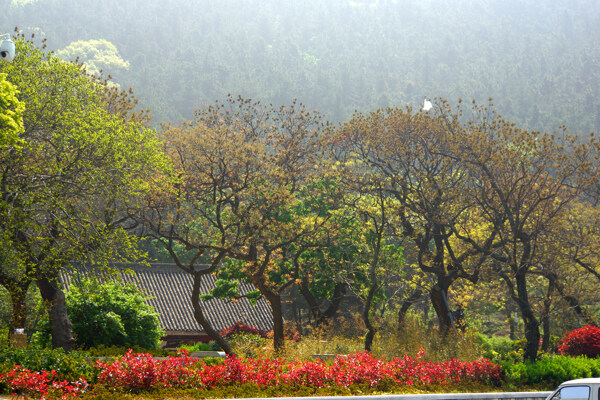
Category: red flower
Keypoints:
(581, 342)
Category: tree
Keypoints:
(401, 151)
(364, 238)
(64, 189)
(194, 215)
(96, 55)
(521, 183)
(11, 114)
(379, 257)
(242, 168)
(11, 129)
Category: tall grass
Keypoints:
(347, 336)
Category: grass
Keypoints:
(347, 336)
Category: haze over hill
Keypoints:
(538, 60)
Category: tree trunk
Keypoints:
(338, 295)
(201, 319)
(19, 315)
(323, 317)
(546, 319)
(60, 324)
(546, 332)
(313, 305)
(439, 297)
(406, 304)
(532, 327)
(274, 300)
(371, 330)
(18, 294)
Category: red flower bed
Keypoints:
(358, 368)
(139, 372)
(41, 384)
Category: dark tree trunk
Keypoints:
(546, 319)
(546, 332)
(323, 317)
(406, 305)
(532, 327)
(60, 324)
(17, 289)
(438, 297)
(338, 295)
(573, 301)
(274, 300)
(18, 295)
(201, 319)
(366, 314)
(313, 304)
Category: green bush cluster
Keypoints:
(551, 370)
(112, 313)
(118, 351)
(70, 366)
(199, 346)
(107, 314)
(500, 349)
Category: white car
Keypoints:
(577, 389)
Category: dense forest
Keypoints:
(537, 60)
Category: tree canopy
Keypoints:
(67, 184)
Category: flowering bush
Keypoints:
(137, 372)
(242, 328)
(358, 368)
(581, 342)
(40, 384)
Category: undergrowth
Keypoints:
(347, 337)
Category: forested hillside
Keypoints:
(538, 60)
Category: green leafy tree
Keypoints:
(11, 114)
(11, 129)
(376, 257)
(85, 157)
(96, 55)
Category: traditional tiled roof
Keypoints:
(171, 290)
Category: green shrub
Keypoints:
(199, 346)
(70, 366)
(551, 370)
(500, 349)
(118, 351)
(209, 361)
(112, 314)
(107, 314)
(247, 344)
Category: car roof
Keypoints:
(584, 381)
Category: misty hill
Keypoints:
(539, 60)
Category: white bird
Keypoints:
(427, 105)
